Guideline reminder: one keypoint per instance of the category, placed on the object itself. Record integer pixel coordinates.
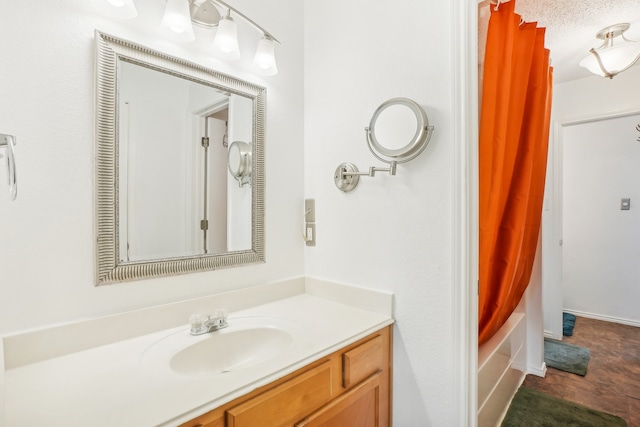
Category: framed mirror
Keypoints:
(167, 202)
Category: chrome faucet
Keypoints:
(203, 324)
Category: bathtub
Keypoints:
(501, 370)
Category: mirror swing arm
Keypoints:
(347, 175)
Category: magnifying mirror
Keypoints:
(9, 141)
(399, 131)
(239, 162)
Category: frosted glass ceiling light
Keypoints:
(615, 55)
(177, 18)
(226, 40)
(265, 57)
(124, 9)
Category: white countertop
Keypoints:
(113, 385)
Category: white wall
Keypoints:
(47, 84)
(217, 188)
(595, 96)
(601, 242)
(156, 139)
(576, 100)
(391, 232)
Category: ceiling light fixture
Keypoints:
(615, 55)
(177, 24)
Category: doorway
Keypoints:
(590, 237)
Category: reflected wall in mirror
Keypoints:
(167, 203)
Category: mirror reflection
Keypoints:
(395, 126)
(176, 195)
(167, 201)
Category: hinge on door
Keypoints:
(204, 224)
(205, 141)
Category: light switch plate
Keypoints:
(625, 204)
(310, 210)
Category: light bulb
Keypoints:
(226, 40)
(124, 9)
(177, 18)
(265, 59)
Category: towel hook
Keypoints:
(9, 141)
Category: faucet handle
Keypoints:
(221, 318)
(197, 322)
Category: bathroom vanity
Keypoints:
(297, 353)
(350, 387)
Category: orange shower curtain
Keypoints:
(514, 132)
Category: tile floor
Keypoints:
(612, 383)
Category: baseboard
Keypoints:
(604, 318)
(540, 372)
(549, 334)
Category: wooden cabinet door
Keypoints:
(359, 407)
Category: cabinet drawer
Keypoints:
(286, 403)
(362, 361)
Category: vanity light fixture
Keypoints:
(265, 58)
(177, 18)
(177, 23)
(226, 39)
(615, 55)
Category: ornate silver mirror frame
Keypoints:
(109, 268)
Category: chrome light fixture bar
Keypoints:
(203, 15)
(615, 55)
(179, 16)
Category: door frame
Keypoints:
(464, 289)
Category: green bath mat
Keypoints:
(568, 323)
(566, 357)
(531, 408)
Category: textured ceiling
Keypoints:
(572, 26)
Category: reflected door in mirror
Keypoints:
(176, 198)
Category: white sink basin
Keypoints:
(224, 351)
(246, 342)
